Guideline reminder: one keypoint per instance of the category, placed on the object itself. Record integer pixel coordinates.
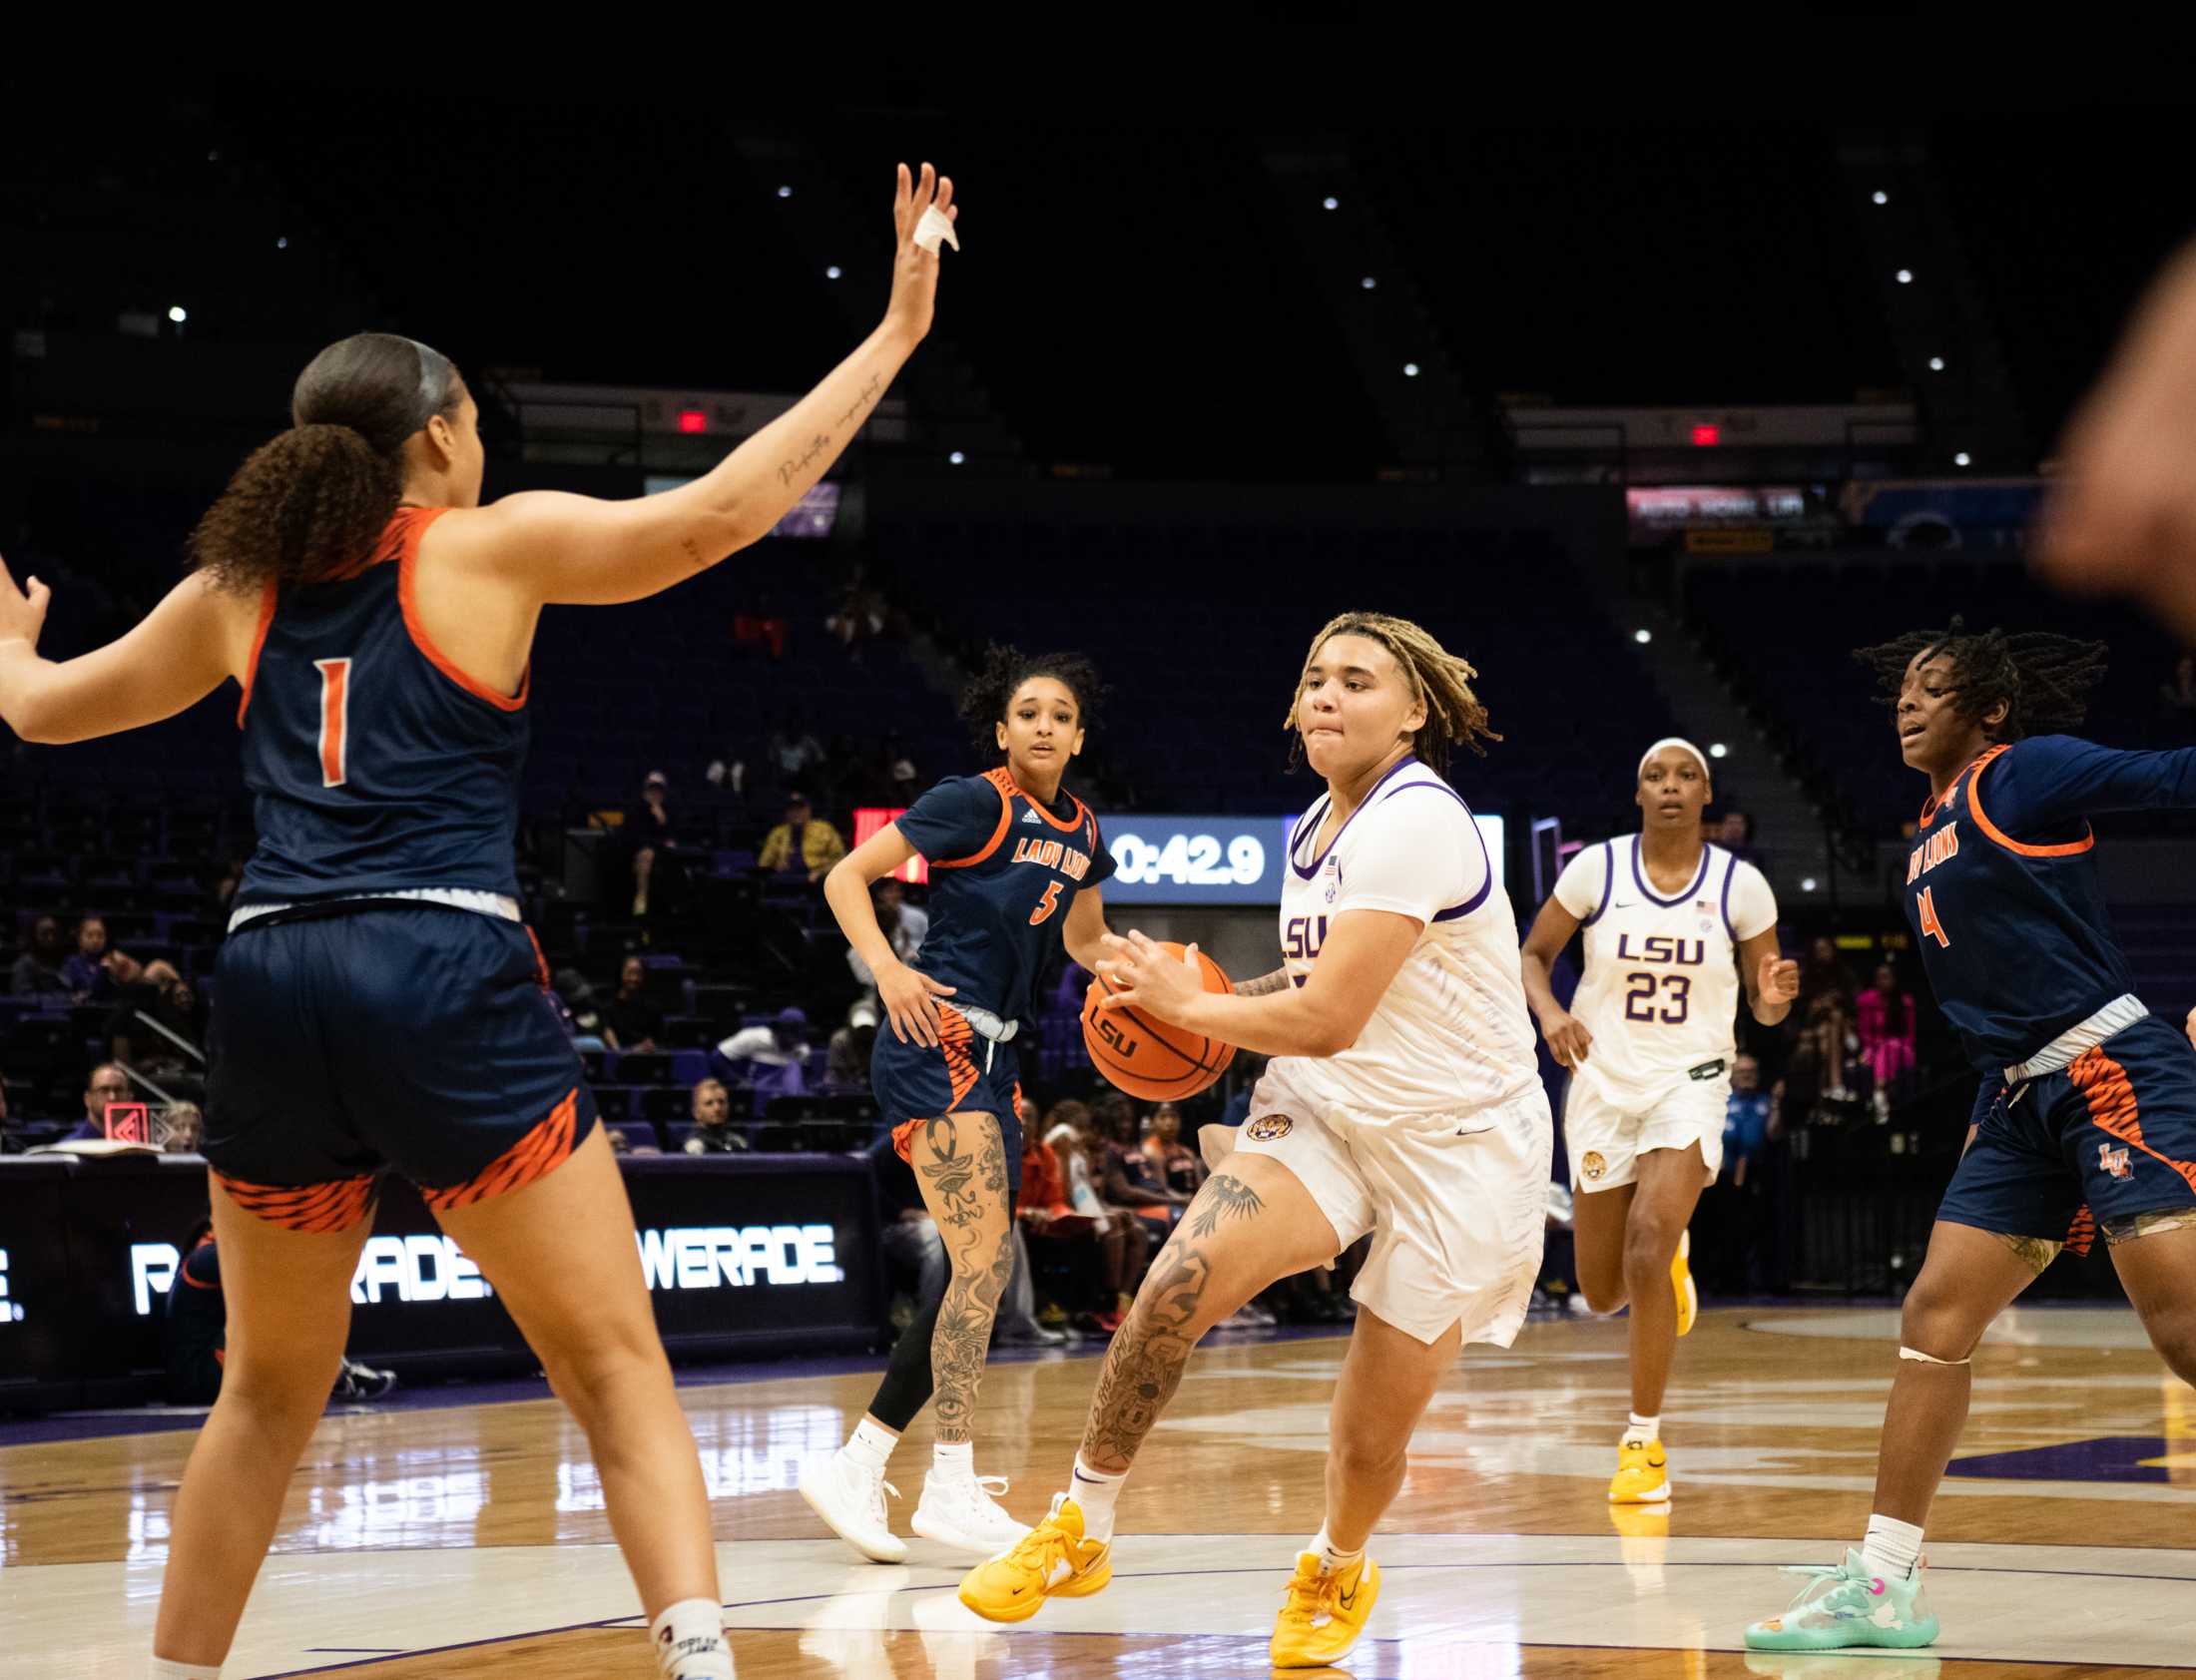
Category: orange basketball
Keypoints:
(1154, 1059)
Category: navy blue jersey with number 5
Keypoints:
(2002, 890)
(1003, 871)
(374, 764)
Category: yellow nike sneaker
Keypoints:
(1052, 1560)
(1642, 1475)
(1324, 1613)
(1681, 1280)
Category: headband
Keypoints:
(1674, 740)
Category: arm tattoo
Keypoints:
(693, 552)
(860, 404)
(787, 471)
(1224, 1197)
(981, 1251)
(1277, 980)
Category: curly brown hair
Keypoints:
(309, 504)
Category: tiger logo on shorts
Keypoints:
(1267, 1127)
(1593, 1166)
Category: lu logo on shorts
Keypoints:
(1267, 1127)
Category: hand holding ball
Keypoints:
(1134, 1047)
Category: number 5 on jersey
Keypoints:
(1930, 924)
(334, 719)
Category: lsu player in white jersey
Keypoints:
(1403, 1100)
(1671, 925)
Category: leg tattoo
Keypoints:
(1224, 1197)
(982, 1264)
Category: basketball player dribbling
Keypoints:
(1017, 864)
(381, 1006)
(1404, 1101)
(1671, 923)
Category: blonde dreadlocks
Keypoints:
(1439, 678)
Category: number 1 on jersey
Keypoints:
(1930, 924)
(334, 719)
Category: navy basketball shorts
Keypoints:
(965, 1074)
(2109, 1143)
(419, 1040)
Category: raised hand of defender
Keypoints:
(1145, 975)
(22, 611)
(914, 270)
(1779, 979)
(1568, 1039)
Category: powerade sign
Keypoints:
(1218, 860)
(421, 1268)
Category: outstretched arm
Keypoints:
(576, 550)
(2050, 780)
(177, 655)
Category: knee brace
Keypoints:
(1919, 1358)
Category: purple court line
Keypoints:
(628, 1623)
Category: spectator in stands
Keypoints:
(858, 614)
(801, 844)
(905, 924)
(590, 1031)
(712, 1111)
(109, 1084)
(1822, 973)
(183, 1129)
(1750, 1119)
(793, 752)
(772, 1060)
(1823, 1079)
(1728, 1239)
(85, 972)
(1247, 1070)
(1735, 833)
(1124, 1254)
(196, 1336)
(148, 1000)
(37, 972)
(1177, 1165)
(631, 1023)
(2177, 698)
(649, 840)
(1128, 1179)
(1884, 1017)
(848, 1065)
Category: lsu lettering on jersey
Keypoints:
(1661, 989)
(375, 765)
(1451, 1035)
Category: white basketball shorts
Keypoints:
(1605, 1139)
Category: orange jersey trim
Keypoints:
(1069, 826)
(2105, 1087)
(259, 643)
(2074, 849)
(414, 527)
(318, 1207)
(540, 1152)
(1002, 785)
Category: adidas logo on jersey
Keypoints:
(1029, 817)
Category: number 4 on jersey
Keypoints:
(1930, 924)
(334, 719)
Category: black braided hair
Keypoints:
(1005, 669)
(2044, 679)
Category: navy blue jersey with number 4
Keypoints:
(374, 764)
(2002, 890)
(1003, 871)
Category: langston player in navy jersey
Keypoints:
(1017, 861)
(381, 1005)
(2086, 1117)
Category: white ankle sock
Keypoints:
(1094, 1492)
(1892, 1548)
(689, 1640)
(955, 1460)
(162, 1669)
(1333, 1559)
(871, 1444)
(1640, 1430)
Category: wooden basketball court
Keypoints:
(469, 1539)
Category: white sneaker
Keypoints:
(850, 1500)
(962, 1513)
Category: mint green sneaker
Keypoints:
(1849, 1606)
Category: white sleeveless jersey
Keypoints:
(1451, 1034)
(1661, 989)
